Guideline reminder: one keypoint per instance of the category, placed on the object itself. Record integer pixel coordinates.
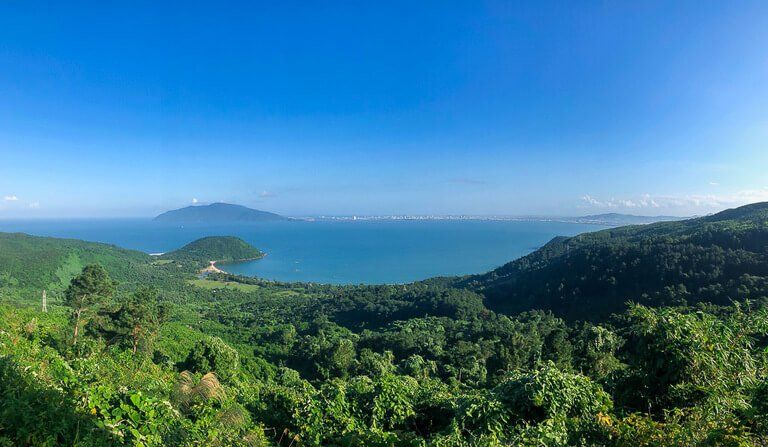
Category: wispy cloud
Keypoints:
(10, 198)
(195, 201)
(644, 201)
(714, 184)
(267, 194)
(682, 202)
(34, 205)
(593, 201)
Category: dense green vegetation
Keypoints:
(215, 248)
(30, 264)
(714, 259)
(162, 358)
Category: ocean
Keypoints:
(335, 252)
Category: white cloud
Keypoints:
(644, 201)
(34, 205)
(714, 184)
(703, 202)
(592, 201)
(266, 194)
(10, 198)
(647, 201)
(194, 201)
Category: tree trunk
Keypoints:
(77, 327)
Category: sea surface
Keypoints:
(336, 252)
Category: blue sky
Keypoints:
(397, 107)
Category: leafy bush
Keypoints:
(211, 354)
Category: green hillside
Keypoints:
(215, 248)
(164, 359)
(33, 262)
(715, 259)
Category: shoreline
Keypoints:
(212, 268)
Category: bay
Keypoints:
(335, 252)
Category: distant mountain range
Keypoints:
(230, 213)
(623, 219)
(217, 213)
(610, 219)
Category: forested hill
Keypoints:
(215, 248)
(164, 358)
(33, 263)
(718, 258)
(217, 213)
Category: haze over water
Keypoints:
(369, 252)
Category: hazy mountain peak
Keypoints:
(218, 213)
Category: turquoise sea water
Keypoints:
(338, 252)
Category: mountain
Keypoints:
(217, 213)
(623, 219)
(718, 258)
(215, 248)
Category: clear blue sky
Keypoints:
(383, 107)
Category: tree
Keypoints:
(542, 407)
(340, 357)
(682, 358)
(86, 292)
(140, 317)
(211, 354)
(7, 285)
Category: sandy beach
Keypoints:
(212, 268)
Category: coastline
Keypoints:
(212, 268)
